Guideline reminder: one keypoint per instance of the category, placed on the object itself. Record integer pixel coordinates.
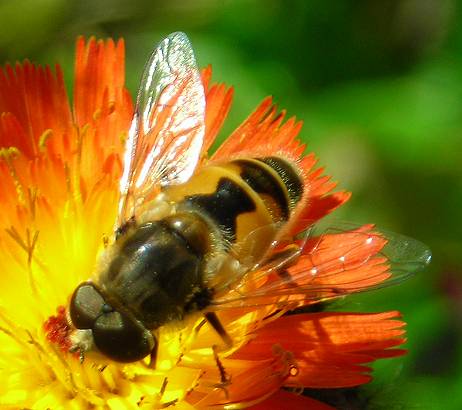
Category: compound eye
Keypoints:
(122, 339)
(86, 305)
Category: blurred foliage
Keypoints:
(379, 87)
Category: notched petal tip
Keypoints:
(219, 99)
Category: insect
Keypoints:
(194, 238)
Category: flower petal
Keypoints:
(37, 101)
(103, 108)
(219, 98)
(99, 76)
(339, 263)
(284, 400)
(318, 207)
(263, 134)
(330, 349)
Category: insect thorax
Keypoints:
(156, 271)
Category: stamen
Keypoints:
(16, 237)
(30, 251)
(163, 387)
(8, 154)
(32, 200)
(46, 135)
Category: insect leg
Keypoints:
(153, 355)
(213, 320)
(224, 378)
(282, 260)
(155, 401)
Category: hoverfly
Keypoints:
(193, 237)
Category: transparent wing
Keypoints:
(167, 130)
(336, 261)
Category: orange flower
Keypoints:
(60, 166)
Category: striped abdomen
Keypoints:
(243, 196)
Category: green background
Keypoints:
(379, 87)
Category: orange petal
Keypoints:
(333, 264)
(102, 106)
(206, 76)
(318, 207)
(251, 380)
(37, 101)
(219, 98)
(99, 77)
(12, 134)
(330, 349)
(263, 134)
(284, 400)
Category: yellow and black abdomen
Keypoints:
(275, 181)
(243, 197)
